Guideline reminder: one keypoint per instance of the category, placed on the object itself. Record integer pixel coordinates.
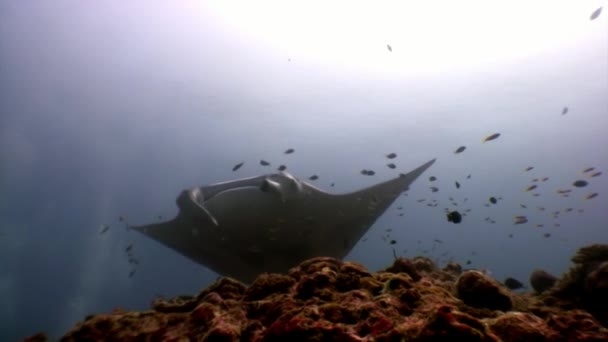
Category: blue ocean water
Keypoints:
(110, 110)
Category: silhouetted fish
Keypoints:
(491, 137)
(389, 48)
(531, 187)
(493, 200)
(520, 219)
(589, 169)
(434, 189)
(391, 165)
(104, 228)
(591, 195)
(595, 14)
(282, 168)
(565, 110)
(454, 217)
(599, 173)
(264, 163)
(529, 168)
(460, 149)
(391, 155)
(289, 151)
(457, 185)
(513, 283)
(432, 178)
(313, 177)
(237, 166)
(580, 183)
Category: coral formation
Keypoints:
(326, 299)
(541, 281)
(585, 285)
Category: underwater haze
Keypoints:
(109, 109)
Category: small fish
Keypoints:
(332, 184)
(510, 235)
(469, 176)
(565, 110)
(545, 179)
(535, 180)
(421, 200)
(513, 284)
(437, 240)
(391, 165)
(289, 151)
(237, 166)
(368, 172)
(491, 137)
(282, 168)
(391, 155)
(434, 189)
(104, 228)
(389, 48)
(589, 169)
(529, 168)
(121, 218)
(432, 179)
(523, 206)
(595, 14)
(531, 187)
(591, 195)
(264, 163)
(520, 219)
(460, 149)
(493, 200)
(536, 194)
(562, 191)
(392, 242)
(457, 185)
(468, 262)
(540, 225)
(129, 247)
(580, 183)
(131, 273)
(313, 177)
(454, 217)
(547, 235)
(599, 173)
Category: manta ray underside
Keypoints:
(271, 223)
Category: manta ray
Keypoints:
(271, 223)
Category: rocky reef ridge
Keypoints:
(325, 299)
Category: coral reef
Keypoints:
(541, 281)
(325, 299)
(585, 285)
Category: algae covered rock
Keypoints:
(327, 299)
(478, 290)
(541, 281)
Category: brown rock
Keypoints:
(541, 281)
(478, 290)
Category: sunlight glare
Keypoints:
(424, 35)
